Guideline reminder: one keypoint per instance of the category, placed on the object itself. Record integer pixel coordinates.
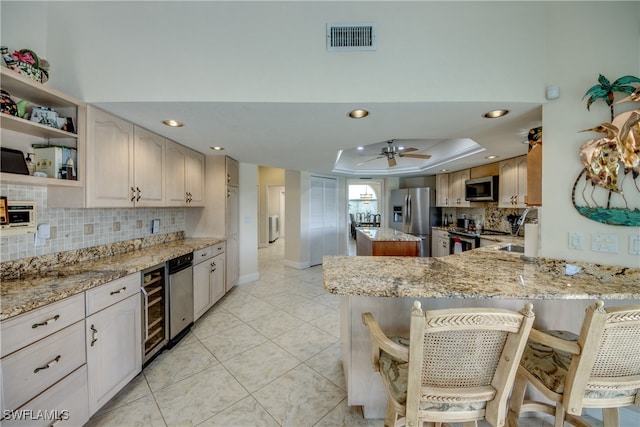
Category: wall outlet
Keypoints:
(634, 245)
(604, 243)
(116, 226)
(88, 229)
(576, 240)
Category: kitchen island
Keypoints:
(378, 241)
(484, 277)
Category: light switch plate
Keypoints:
(604, 243)
(634, 245)
(576, 240)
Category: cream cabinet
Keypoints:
(439, 243)
(208, 278)
(125, 163)
(456, 188)
(442, 190)
(113, 338)
(233, 171)
(185, 176)
(513, 183)
(44, 363)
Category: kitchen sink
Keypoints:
(513, 248)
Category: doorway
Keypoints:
(365, 204)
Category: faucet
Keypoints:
(522, 218)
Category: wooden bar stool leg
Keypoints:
(610, 417)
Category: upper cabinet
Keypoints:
(125, 163)
(19, 133)
(442, 190)
(534, 176)
(513, 183)
(184, 176)
(456, 188)
(233, 171)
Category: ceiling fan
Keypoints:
(391, 151)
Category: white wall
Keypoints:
(597, 37)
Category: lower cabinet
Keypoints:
(439, 243)
(208, 278)
(113, 342)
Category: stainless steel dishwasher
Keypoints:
(180, 272)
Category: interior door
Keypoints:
(323, 218)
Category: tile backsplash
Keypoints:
(491, 216)
(81, 228)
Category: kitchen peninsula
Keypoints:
(376, 241)
(489, 277)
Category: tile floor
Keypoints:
(267, 354)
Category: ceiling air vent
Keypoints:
(351, 36)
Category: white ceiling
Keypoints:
(310, 136)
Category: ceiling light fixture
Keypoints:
(173, 123)
(494, 114)
(491, 157)
(360, 148)
(358, 114)
(444, 170)
(216, 148)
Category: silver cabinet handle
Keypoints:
(94, 335)
(48, 365)
(46, 322)
(146, 314)
(119, 291)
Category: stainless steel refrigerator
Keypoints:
(413, 211)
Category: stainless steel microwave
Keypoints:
(481, 189)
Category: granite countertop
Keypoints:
(31, 291)
(382, 234)
(483, 273)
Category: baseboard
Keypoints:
(248, 278)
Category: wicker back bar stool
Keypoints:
(458, 365)
(600, 368)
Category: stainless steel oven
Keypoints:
(460, 242)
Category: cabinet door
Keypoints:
(442, 190)
(232, 210)
(109, 160)
(521, 167)
(458, 185)
(194, 178)
(148, 157)
(114, 350)
(216, 279)
(233, 171)
(201, 288)
(175, 174)
(232, 267)
(508, 184)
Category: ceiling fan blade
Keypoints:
(391, 161)
(417, 156)
(408, 150)
(375, 158)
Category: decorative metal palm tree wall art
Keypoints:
(616, 150)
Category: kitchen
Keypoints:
(562, 117)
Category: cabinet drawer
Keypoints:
(110, 293)
(66, 401)
(28, 372)
(29, 327)
(202, 254)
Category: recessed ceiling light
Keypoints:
(173, 123)
(217, 148)
(493, 114)
(492, 157)
(360, 148)
(444, 170)
(358, 114)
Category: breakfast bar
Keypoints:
(484, 277)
